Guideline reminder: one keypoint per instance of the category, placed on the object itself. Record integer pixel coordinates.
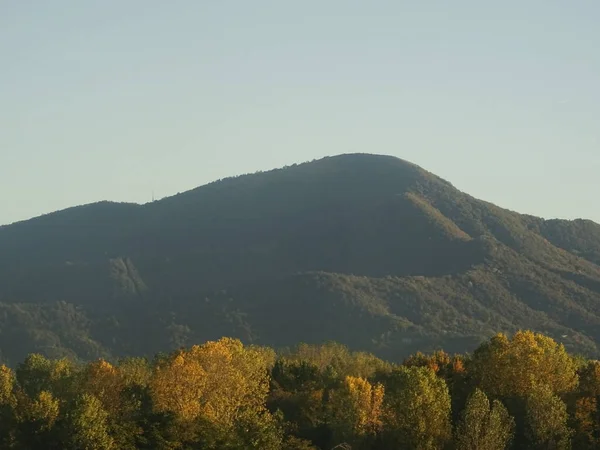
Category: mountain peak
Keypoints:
(403, 257)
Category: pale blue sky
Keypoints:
(113, 99)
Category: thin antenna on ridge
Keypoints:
(152, 194)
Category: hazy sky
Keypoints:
(114, 99)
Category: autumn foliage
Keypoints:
(523, 391)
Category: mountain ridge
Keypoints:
(420, 263)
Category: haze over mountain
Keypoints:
(367, 250)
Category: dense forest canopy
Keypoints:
(523, 391)
(366, 250)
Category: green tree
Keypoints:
(586, 423)
(135, 371)
(88, 425)
(37, 374)
(589, 379)
(294, 443)
(299, 390)
(36, 421)
(416, 409)
(483, 427)
(546, 421)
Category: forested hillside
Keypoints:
(370, 251)
(519, 392)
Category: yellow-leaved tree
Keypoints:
(355, 410)
(215, 380)
(516, 367)
(177, 385)
(103, 381)
(217, 392)
(7, 405)
(7, 383)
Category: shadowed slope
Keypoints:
(369, 250)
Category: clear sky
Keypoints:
(114, 99)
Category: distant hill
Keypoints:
(367, 250)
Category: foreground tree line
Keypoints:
(519, 392)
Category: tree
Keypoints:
(36, 419)
(88, 425)
(7, 384)
(449, 367)
(104, 382)
(589, 379)
(37, 373)
(416, 409)
(43, 410)
(236, 379)
(260, 431)
(211, 387)
(437, 361)
(586, 432)
(177, 386)
(135, 371)
(294, 443)
(546, 421)
(298, 389)
(515, 367)
(585, 407)
(483, 427)
(7, 406)
(355, 410)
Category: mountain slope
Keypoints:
(368, 250)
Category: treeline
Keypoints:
(519, 392)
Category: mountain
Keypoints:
(367, 250)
